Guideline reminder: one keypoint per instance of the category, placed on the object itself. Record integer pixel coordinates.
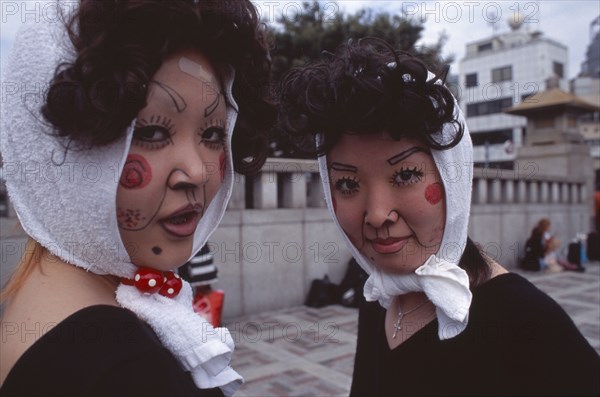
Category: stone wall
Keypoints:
(277, 236)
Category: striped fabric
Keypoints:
(200, 270)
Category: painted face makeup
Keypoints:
(388, 199)
(222, 166)
(176, 163)
(434, 193)
(136, 172)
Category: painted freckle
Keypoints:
(129, 218)
(157, 250)
(434, 193)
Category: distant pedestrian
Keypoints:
(441, 318)
(201, 272)
(535, 247)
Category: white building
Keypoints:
(587, 86)
(499, 72)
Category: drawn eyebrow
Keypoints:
(407, 153)
(344, 167)
(213, 106)
(176, 97)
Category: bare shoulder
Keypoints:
(47, 297)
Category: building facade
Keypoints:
(500, 72)
(587, 86)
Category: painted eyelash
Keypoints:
(155, 122)
(213, 123)
(349, 191)
(417, 174)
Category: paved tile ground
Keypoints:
(310, 352)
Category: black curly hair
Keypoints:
(121, 44)
(365, 87)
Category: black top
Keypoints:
(100, 351)
(518, 341)
(534, 252)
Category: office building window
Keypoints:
(502, 74)
(488, 107)
(494, 137)
(3, 204)
(484, 47)
(559, 69)
(471, 80)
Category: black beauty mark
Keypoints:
(177, 99)
(156, 250)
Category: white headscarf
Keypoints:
(440, 278)
(66, 201)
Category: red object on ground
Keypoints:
(209, 304)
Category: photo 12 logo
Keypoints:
(470, 11)
(36, 11)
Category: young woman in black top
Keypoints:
(440, 318)
(123, 166)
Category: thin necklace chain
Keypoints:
(401, 315)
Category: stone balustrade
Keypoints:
(277, 236)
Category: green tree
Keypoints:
(302, 38)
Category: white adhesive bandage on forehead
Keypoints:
(195, 70)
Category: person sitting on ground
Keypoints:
(535, 247)
(553, 260)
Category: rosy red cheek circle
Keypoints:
(222, 166)
(434, 193)
(136, 172)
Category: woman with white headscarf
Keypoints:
(119, 170)
(440, 318)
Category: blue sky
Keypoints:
(463, 21)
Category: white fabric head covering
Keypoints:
(440, 278)
(66, 201)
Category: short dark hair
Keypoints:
(120, 45)
(365, 87)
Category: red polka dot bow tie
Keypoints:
(150, 281)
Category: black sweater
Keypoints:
(518, 342)
(100, 351)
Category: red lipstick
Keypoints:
(389, 245)
(183, 222)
